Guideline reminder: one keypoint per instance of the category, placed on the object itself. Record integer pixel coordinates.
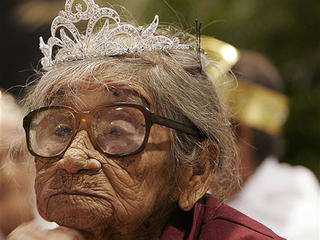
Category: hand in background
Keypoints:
(34, 231)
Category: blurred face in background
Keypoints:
(15, 176)
(15, 194)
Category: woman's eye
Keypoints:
(117, 132)
(63, 131)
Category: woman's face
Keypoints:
(87, 190)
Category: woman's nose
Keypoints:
(78, 157)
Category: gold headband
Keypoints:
(254, 105)
(258, 107)
(223, 54)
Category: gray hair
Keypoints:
(175, 85)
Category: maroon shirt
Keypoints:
(211, 219)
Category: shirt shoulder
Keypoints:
(222, 222)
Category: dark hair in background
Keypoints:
(254, 68)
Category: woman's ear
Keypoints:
(195, 181)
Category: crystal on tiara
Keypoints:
(74, 45)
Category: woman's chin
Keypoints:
(79, 211)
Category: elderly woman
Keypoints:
(128, 134)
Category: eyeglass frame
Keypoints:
(150, 119)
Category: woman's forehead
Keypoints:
(90, 97)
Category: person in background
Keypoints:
(286, 198)
(16, 202)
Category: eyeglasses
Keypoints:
(116, 130)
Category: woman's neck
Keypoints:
(151, 228)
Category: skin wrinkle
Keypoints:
(146, 182)
(133, 201)
(42, 179)
(129, 187)
(174, 92)
(118, 182)
(75, 215)
(123, 197)
(80, 149)
(141, 173)
(73, 177)
(123, 189)
(64, 182)
(98, 203)
(117, 173)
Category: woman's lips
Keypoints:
(78, 193)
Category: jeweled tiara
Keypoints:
(75, 45)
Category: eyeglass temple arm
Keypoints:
(189, 129)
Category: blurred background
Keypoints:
(286, 31)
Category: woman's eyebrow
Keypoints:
(115, 92)
(131, 95)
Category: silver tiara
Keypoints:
(108, 41)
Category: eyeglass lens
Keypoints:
(119, 130)
(51, 131)
(116, 130)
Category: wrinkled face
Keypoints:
(86, 190)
